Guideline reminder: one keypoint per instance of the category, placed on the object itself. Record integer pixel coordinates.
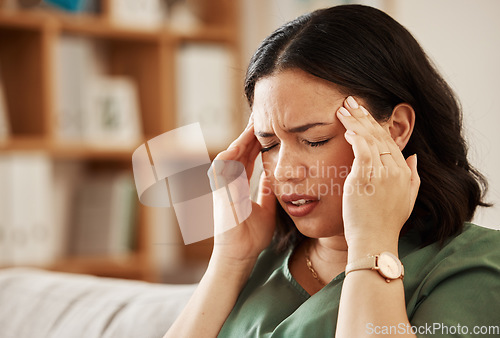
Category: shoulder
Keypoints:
(476, 238)
(458, 282)
(474, 249)
(475, 245)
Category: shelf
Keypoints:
(29, 42)
(77, 150)
(87, 152)
(67, 150)
(84, 24)
(15, 19)
(24, 143)
(96, 27)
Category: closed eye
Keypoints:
(316, 144)
(263, 150)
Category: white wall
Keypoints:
(463, 39)
(261, 17)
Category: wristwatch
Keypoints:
(387, 265)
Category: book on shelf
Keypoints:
(123, 215)
(104, 216)
(26, 205)
(76, 63)
(67, 177)
(4, 114)
(93, 108)
(205, 85)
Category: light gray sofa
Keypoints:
(37, 304)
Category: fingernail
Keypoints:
(350, 132)
(363, 109)
(351, 102)
(344, 111)
(416, 159)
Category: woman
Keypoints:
(339, 98)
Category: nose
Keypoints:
(289, 166)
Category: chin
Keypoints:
(318, 228)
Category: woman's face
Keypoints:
(304, 154)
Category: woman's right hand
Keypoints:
(235, 251)
(243, 243)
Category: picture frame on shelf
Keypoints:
(112, 117)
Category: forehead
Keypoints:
(294, 97)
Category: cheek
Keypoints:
(269, 164)
(340, 166)
(338, 155)
(344, 155)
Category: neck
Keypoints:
(328, 256)
(330, 249)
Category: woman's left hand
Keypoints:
(381, 189)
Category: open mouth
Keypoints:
(301, 202)
(299, 205)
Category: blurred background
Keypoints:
(83, 83)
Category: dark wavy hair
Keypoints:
(371, 56)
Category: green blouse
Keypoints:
(449, 291)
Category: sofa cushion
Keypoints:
(38, 303)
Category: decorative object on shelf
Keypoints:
(112, 117)
(205, 84)
(181, 17)
(69, 5)
(139, 14)
(75, 6)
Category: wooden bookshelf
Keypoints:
(27, 43)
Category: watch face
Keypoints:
(389, 265)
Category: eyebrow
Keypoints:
(298, 129)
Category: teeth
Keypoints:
(299, 202)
